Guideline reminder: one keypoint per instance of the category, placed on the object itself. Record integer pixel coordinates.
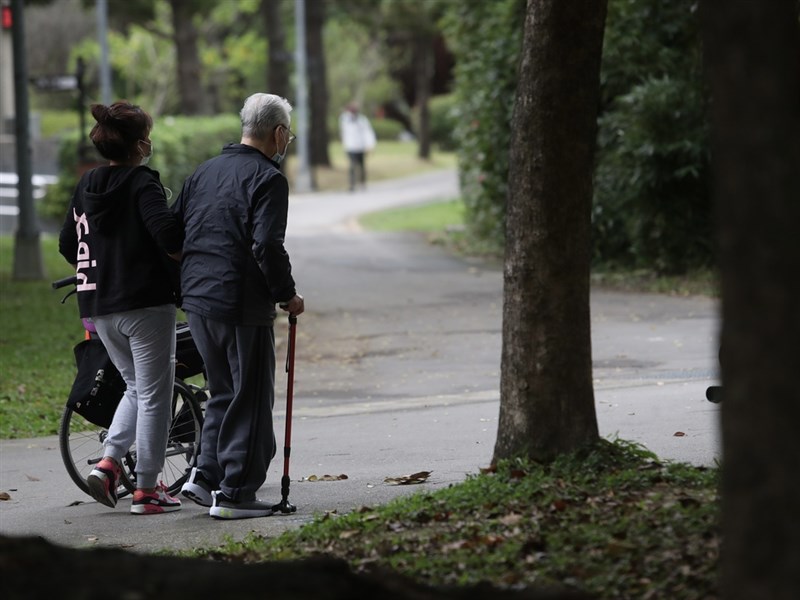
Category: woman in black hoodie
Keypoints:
(117, 234)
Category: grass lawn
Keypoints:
(436, 217)
(36, 340)
(389, 160)
(614, 522)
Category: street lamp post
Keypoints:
(303, 181)
(102, 37)
(27, 249)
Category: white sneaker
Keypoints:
(197, 489)
(223, 508)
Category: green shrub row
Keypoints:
(385, 129)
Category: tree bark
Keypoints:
(752, 54)
(190, 87)
(279, 58)
(318, 86)
(546, 394)
(423, 65)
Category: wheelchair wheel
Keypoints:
(183, 444)
(81, 444)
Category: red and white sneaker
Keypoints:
(155, 502)
(103, 482)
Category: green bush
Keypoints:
(485, 38)
(444, 120)
(652, 204)
(387, 129)
(180, 144)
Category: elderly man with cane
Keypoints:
(234, 270)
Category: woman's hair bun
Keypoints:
(101, 113)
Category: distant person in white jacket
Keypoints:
(358, 138)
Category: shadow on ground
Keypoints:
(34, 568)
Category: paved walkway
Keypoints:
(398, 372)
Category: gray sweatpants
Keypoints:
(238, 441)
(141, 344)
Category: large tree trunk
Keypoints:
(752, 52)
(279, 58)
(190, 87)
(317, 84)
(546, 394)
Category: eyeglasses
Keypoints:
(292, 136)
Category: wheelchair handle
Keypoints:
(65, 282)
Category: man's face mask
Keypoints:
(289, 137)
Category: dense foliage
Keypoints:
(651, 207)
(652, 202)
(485, 38)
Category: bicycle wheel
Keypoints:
(183, 443)
(81, 445)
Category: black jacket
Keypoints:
(118, 230)
(234, 210)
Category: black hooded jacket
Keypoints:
(234, 210)
(118, 230)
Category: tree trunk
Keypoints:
(752, 53)
(279, 58)
(546, 395)
(317, 84)
(190, 87)
(423, 64)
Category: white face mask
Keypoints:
(278, 156)
(146, 157)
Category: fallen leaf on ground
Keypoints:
(678, 434)
(5, 496)
(326, 477)
(510, 519)
(415, 478)
(457, 545)
(348, 534)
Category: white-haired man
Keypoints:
(234, 270)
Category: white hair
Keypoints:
(262, 113)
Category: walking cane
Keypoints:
(284, 506)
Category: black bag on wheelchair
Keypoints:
(98, 386)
